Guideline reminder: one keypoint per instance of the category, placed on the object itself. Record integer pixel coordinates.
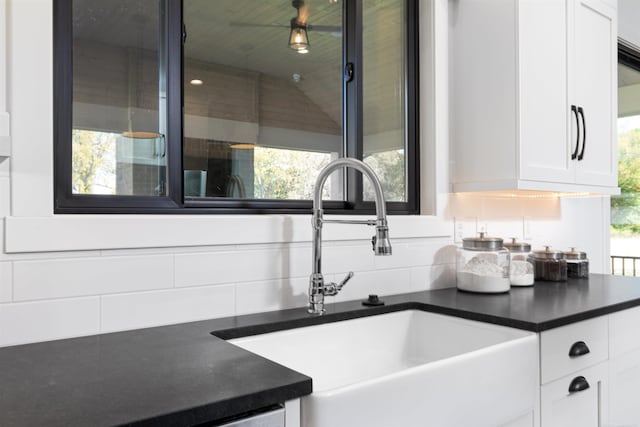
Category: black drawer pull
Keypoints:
(578, 384)
(578, 349)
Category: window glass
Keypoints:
(118, 98)
(625, 208)
(232, 105)
(263, 102)
(384, 121)
(289, 174)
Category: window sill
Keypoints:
(95, 232)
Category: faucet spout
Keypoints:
(381, 209)
(381, 244)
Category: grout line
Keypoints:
(173, 260)
(13, 281)
(100, 313)
(235, 299)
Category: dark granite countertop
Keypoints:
(176, 375)
(182, 375)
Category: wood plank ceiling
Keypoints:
(224, 35)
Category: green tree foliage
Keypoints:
(291, 174)
(92, 159)
(629, 161)
(287, 174)
(389, 166)
(625, 209)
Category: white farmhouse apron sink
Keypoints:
(408, 368)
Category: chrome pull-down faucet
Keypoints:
(381, 245)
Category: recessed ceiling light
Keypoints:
(196, 82)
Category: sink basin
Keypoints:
(409, 368)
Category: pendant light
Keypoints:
(298, 37)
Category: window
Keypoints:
(625, 208)
(233, 105)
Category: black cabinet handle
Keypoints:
(578, 384)
(578, 349)
(574, 110)
(584, 133)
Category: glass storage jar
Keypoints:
(549, 265)
(482, 265)
(521, 268)
(577, 263)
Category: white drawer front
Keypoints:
(584, 406)
(624, 332)
(556, 344)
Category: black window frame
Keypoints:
(174, 202)
(628, 55)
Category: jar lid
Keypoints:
(482, 243)
(547, 253)
(573, 254)
(514, 246)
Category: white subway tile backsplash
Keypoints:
(5, 168)
(170, 250)
(198, 269)
(61, 278)
(5, 194)
(381, 282)
(6, 282)
(264, 246)
(145, 309)
(138, 288)
(418, 254)
(402, 256)
(48, 320)
(148, 287)
(420, 278)
(346, 258)
(442, 276)
(358, 256)
(271, 295)
(44, 256)
(506, 229)
(300, 260)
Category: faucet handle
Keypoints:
(345, 280)
(331, 289)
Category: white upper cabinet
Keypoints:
(594, 74)
(533, 95)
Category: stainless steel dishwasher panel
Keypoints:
(274, 418)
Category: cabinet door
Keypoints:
(546, 126)
(586, 408)
(593, 70)
(624, 384)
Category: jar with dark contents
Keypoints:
(549, 265)
(577, 264)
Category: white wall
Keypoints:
(65, 275)
(629, 21)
